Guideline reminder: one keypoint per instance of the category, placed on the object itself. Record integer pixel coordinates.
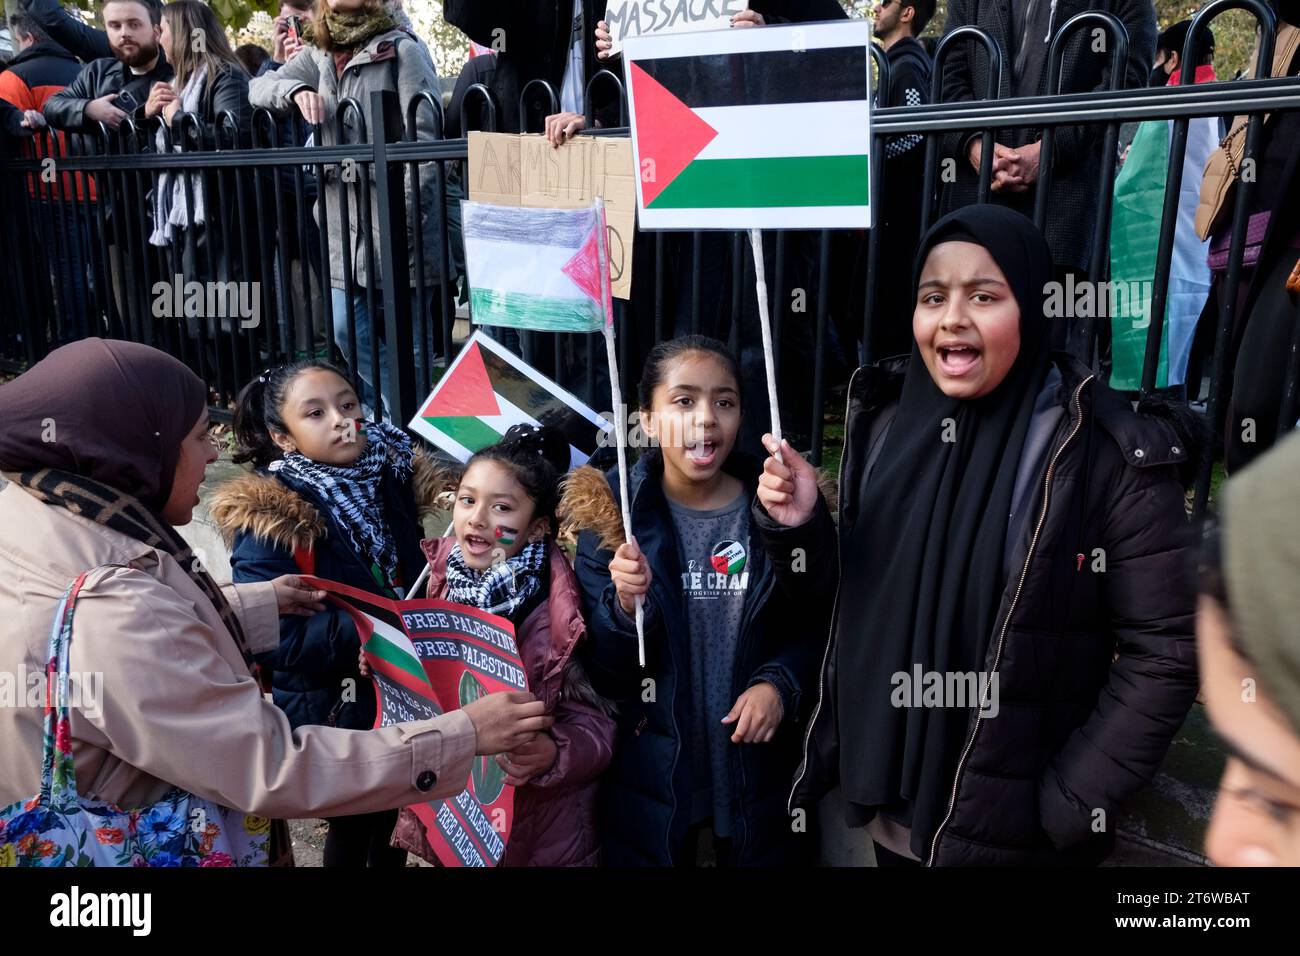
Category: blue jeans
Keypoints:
(364, 369)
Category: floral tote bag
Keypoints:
(59, 828)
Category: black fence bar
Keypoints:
(1118, 52)
(882, 95)
(246, 237)
(390, 183)
(1195, 42)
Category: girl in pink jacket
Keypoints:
(502, 558)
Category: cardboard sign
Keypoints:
(510, 169)
(635, 18)
(428, 657)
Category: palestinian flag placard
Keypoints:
(427, 657)
(534, 269)
(752, 129)
(487, 389)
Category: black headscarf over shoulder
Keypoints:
(926, 552)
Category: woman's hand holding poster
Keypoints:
(427, 657)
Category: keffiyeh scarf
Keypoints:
(503, 588)
(351, 493)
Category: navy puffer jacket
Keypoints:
(315, 678)
(646, 795)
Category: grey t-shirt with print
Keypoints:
(714, 552)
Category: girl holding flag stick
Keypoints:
(707, 738)
(339, 497)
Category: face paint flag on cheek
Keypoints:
(506, 535)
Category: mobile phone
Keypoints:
(295, 27)
(126, 102)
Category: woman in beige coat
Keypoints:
(104, 447)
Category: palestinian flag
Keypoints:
(398, 671)
(535, 269)
(487, 389)
(741, 129)
(427, 657)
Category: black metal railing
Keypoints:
(76, 260)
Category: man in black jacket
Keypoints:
(137, 63)
(107, 91)
(1023, 30)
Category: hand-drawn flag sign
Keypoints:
(752, 129)
(488, 389)
(428, 657)
(534, 268)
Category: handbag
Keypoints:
(1256, 230)
(58, 827)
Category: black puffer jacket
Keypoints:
(646, 794)
(274, 529)
(1096, 668)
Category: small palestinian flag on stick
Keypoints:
(486, 390)
(753, 129)
(616, 395)
(533, 268)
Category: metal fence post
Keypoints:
(390, 194)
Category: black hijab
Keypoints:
(925, 554)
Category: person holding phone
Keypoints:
(287, 32)
(107, 91)
(358, 47)
(110, 89)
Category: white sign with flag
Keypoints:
(753, 129)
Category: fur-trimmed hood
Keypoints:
(274, 513)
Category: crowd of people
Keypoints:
(149, 67)
(1003, 519)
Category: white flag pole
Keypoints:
(760, 279)
(415, 588)
(620, 411)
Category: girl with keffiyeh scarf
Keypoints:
(335, 496)
(502, 558)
